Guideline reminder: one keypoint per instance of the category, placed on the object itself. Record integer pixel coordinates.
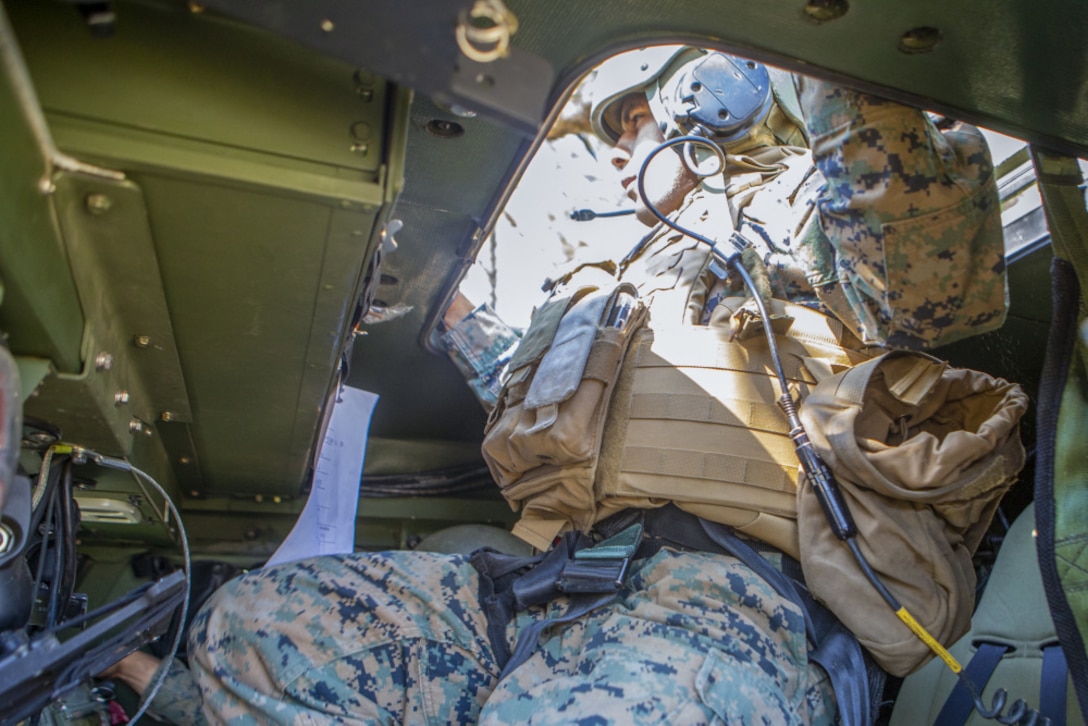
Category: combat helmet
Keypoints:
(716, 95)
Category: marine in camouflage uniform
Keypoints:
(898, 234)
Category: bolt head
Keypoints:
(98, 204)
(141, 341)
(103, 361)
(135, 426)
(120, 398)
(168, 416)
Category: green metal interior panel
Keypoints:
(265, 171)
(260, 290)
(173, 72)
(39, 310)
(238, 528)
(397, 456)
(105, 229)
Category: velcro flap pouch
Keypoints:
(542, 443)
(560, 371)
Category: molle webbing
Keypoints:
(695, 421)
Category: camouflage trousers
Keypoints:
(400, 637)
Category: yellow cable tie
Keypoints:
(929, 640)
(62, 448)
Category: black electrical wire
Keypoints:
(48, 506)
(435, 483)
(1019, 713)
(51, 483)
(64, 557)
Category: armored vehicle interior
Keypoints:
(215, 213)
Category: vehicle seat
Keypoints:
(1014, 632)
(466, 538)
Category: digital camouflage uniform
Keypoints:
(399, 637)
(178, 698)
(909, 218)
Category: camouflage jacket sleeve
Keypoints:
(481, 346)
(906, 243)
(178, 700)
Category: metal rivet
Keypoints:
(141, 341)
(277, 500)
(445, 129)
(185, 460)
(258, 498)
(135, 426)
(196, 8)
(327, 25)
(194, 493)
(120, 398)
(360, 131)
(103, 361)
(360, 149)
(920, 40)
(98, 204)
(168, 416)
(822, 11)
(46, 186)
(41, 437)
(363, 78)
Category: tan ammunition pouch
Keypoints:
(543, 438)
(682, 414)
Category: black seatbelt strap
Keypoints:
(960, 703)
(1052, 684)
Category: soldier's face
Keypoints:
(668, 181)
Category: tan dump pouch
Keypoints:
(695, 421)
(543, 438)
(923, 453)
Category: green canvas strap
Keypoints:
(1061, 483)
